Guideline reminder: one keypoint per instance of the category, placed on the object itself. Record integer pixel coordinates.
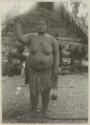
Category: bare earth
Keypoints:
(71, 105)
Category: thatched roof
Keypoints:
(34, 16)
(29, 19)
(71, 17)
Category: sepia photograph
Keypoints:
(44, 61)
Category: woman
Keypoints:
(42, 63)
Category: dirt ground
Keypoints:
(71, 105)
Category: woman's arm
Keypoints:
(24, 39)
(56, 54)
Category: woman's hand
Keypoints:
(19, 20)
(56, 71)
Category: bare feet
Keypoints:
(45, 112)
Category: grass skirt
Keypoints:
(39, 81)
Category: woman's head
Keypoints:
(20, 48)
(41, 26)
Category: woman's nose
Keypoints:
(41, 25)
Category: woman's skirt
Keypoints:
(39, 81)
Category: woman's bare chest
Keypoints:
(40, 44)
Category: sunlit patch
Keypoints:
(18, 90)
(14, 8)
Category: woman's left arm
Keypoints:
(56, 54)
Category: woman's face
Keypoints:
(66, 46)
(41, 26)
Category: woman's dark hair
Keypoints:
(20, 48)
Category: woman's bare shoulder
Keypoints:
(30, 35)
(50, 36)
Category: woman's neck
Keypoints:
(41, 33)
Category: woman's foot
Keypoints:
(45, 112)
(33, 113)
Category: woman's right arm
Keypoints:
(24, 39)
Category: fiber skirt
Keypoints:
(39, 81)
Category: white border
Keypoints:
(88, 5)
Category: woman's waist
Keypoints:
(40, 68)
(41, 63)
(41, 58)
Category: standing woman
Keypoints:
(42, 63)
